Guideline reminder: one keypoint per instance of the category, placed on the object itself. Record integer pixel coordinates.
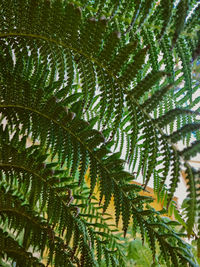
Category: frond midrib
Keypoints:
(64, 204)
(23, 214)
(124, 193)
(22, 168)
(94, 60)
(65, 128)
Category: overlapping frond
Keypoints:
(56, 218)
(83, 79)
(11, 248)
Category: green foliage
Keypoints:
(84, 81)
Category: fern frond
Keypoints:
(153, 50)
(155, 99)
(146, 83)
(145, 10)
(14, 251)
(122, 57)
(193, 20)
(165, 10)
(81, 78)
(182, 50)
(166, 153)
(192, 207)
(59, 209)
(179, 19)
(196, 50)
(167, 56)
(174, 137)
(175, 174)
(132, 68)
(191, 151)
(172, 115)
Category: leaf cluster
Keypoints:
(94, 85)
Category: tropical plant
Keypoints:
(95, 85)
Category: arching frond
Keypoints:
(83, 80)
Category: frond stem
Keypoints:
(24, 215)
(12, 34)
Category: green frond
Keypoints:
(196, 50)
(192, 203)
(110, 46)
(165, 10)
(146, 84)
(17, 213)
(167, 55)
(184, 54)
(191, 151)
(126, 213)
(153, 153)
(179, 19)
(156, 98)
(59, 208)
(193, 20)
(83, 80)
(176, 136)
(172, 115)
(174, 174)
(122, 57)
(166, 154)
(117, 203)
(148, 36)
(13, 250)
(133, 68)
